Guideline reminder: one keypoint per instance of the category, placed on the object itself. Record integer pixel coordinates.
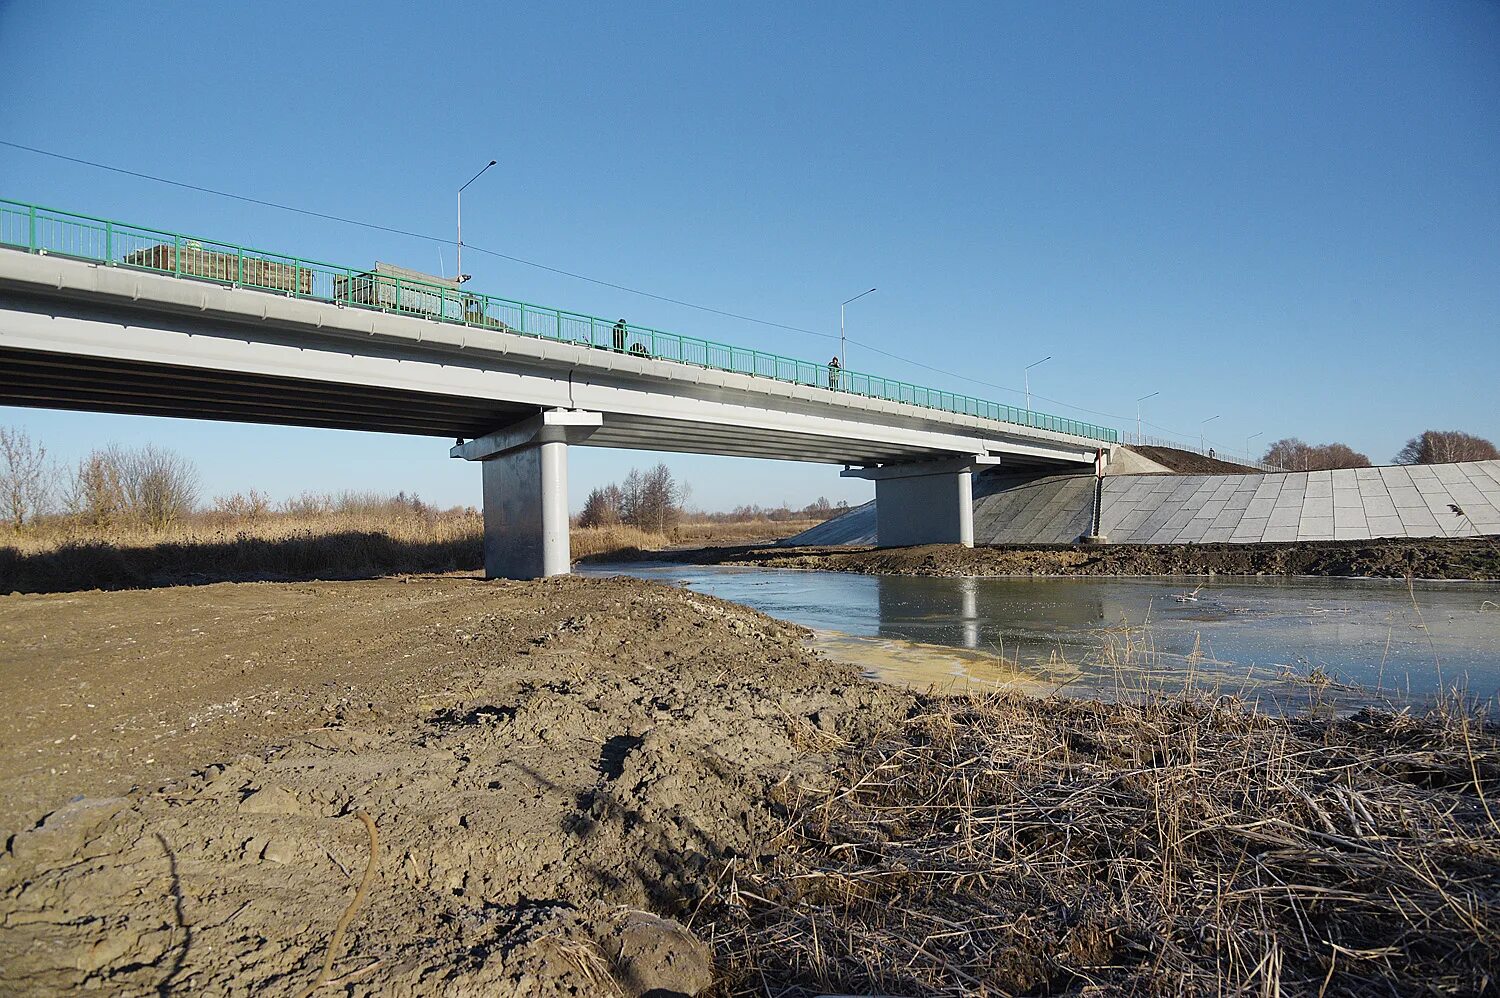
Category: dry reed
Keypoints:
(1167, 845)
(315, 542)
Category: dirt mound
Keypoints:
(1396, 558)
(1186, 462)
(556, 770)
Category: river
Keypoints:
(1275, 640)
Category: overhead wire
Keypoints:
(395, 230)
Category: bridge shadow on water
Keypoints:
(338, 555)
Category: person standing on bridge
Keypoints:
(833, 373)
(620, 336)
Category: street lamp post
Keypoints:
(1202, 439)
(843, 358)
(459, 249)
(1247, 442)
(1026, 377)
(1138, 413)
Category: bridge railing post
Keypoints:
(31, 230)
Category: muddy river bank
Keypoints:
(1469, 558)
(611, 786)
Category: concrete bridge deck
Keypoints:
(101, 316)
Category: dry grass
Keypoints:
(589, 542)
(63, 555)
(622, 539)
(1182, 845)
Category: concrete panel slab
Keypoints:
(1349, 518)
(1367, 474)
(1419, 472)
(1211, 509)
(1319, 488)
(1180, 519)
(1279, 532)
(1343, 498)
(1269, 488)
(1407, 497)
(1415, 517)
(1379, 506)
(1184, 490)
(1344, 478)
(1464, 493)
(1224, 490)
(1450, 474)
(1386, 526)
(1318, 507)
(1431, 487)
(1229, 518)
(1195, 502)
(1193, 532)
(1217, 535)
(1286, 516)
(1260, 508)
(1250, 529)
(1351, 533)
(1240, 500)
(1315, 528)
(1395, 475)
(1489, 469)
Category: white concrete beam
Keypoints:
(566, 426)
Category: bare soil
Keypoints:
(612, 787)
(1186, 462)
(1476, 558)
(556, 771)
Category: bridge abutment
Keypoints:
(525, 468)
(929, 502)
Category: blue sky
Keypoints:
(1283, 215)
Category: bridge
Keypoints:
(107, 316)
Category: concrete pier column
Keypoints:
(931, 502)
(525, 469)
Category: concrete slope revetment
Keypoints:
(1444, 500)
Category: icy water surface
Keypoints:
(1100, 635)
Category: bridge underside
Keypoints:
(33, 378)
(83, 337)
(62, 381)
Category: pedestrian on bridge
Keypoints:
(620, 336)
(833, 373)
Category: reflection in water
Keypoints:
(1102, 635)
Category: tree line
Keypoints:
(156, 488)
(650, 500)
(1428, 447)
(148, 485)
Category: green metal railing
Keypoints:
(45, 230)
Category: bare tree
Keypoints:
(602, 507)
(1446, 447)
(96, 493)
(26, 480)
(1297, 455)
(660, 505)
(161, 486)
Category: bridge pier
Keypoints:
(929, 502)
(525, 469)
